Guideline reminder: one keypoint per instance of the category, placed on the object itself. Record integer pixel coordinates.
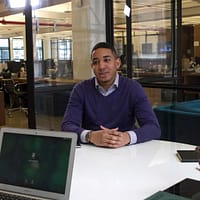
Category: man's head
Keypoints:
(105, 63)
(105, 45)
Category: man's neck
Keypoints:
(107, 85)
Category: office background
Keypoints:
(158, 42)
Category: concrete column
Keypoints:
(47, 48)
(88, 28)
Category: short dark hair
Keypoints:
(105, 45)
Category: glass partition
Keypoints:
(151, 36)
(65, 31)
(52, 62)
(66, 44)
(4, 50)
(165, 60)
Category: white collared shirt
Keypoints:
(111, 89)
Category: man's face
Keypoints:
(105, 66)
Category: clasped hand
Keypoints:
(109, 137)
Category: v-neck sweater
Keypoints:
(88, 109)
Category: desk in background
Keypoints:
(128, 173)
(51, 98)
(191, 78)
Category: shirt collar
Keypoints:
(116, 82)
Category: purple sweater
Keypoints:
(88, 109)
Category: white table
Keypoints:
(128, 173)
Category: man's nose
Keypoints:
(101, 63)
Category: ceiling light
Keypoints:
(21, 3)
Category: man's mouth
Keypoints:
(103, 74)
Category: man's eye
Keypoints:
(107, 60)
(95, 62)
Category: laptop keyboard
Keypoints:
(7, 196)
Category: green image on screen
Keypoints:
(35, 161)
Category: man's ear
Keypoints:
(91, 65)
(118, 63)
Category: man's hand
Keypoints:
(109, 138)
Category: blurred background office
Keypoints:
(158, 40)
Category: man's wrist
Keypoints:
(88, 137)
(133, 137)
(128, 138)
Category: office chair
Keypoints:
(17, 93)
(1, 85)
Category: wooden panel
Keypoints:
(192, 78)
(197, 39)
(154, 95)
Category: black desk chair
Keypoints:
(17, 93)
(1, 85)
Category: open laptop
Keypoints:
(36, 163)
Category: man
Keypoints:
(104, 109)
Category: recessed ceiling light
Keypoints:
(21, 3)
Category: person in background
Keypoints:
(109, 110)
(6, 73)
(22, 72)
(123, 66)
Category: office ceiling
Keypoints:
(52, 19)
(56, 18)
(149, 15)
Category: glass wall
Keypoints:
(4, 50)
(18, 49)
(66, 45)
(158, 42)
(52, 62)
(164, 59)
(151, 36)
(39, 50)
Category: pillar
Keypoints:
(88, 28)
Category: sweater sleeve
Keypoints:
(73, 113)
(149, 127)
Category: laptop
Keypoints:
(36, 163)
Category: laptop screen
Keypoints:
(35, 161)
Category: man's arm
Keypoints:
(149, 127)
(73, 114)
